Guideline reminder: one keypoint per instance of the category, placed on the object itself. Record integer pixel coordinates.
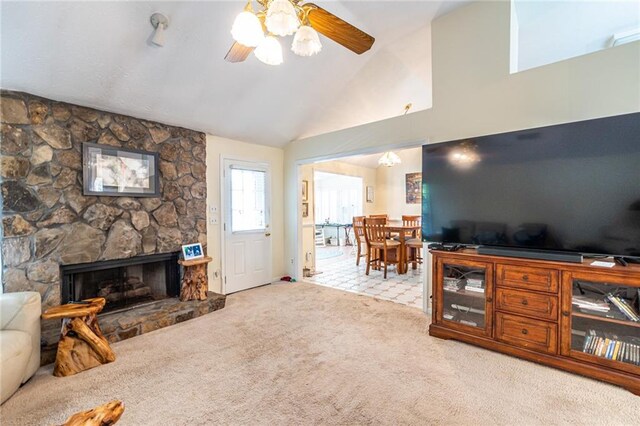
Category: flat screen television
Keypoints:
(569, 188)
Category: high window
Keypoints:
(544, 32)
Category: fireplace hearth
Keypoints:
(125, 283)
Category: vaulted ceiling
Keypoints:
(99, 54)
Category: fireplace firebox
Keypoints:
(124, 283)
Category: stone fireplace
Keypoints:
(53, 233)
(124, 283)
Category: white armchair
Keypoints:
(19, 340)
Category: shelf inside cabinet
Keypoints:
(463, 292)
(605, 319)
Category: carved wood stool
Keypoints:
(103, 415)
(82, 345)
(195, 283)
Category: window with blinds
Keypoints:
(337, 197)
(248, 212)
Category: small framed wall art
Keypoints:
(119, 172)
(305, 209)
(369, 194)
(305, 190)
(414, 188)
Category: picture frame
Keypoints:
(118, 172)
(305, 190)
(413, 188)
(192, 251)
(369, 197)
(305, 209)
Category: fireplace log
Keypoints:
(103, 415)
(195, 283)
(82, 345)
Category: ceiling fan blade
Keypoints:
(338, 30)
(238, 53)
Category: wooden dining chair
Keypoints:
(386, 218)
(379, 247)
(378, 216)
(414, 244)
(358, 232)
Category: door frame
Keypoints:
(298, 255)
(223, 213)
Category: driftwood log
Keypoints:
(82, 345)
(103, 415)
(195, 283)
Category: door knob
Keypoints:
(267, 234)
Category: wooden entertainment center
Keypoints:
(553, 313)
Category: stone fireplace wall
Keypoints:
(47, 222)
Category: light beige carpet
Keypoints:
(305, 354)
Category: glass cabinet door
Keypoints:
(465, 295)
(603, 319)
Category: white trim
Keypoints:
(223, 212)
(364, 151)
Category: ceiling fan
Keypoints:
(256, 31)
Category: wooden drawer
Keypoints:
(527, 333)
(527, 278)
(523, 302)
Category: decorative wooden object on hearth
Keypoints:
(195, 283)
(82, 345)
(103, 415)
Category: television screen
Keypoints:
(570, 187)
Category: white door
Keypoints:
(247, 242)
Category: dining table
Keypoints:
(404, 232)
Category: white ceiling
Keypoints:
(98, 54)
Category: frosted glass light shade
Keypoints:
(269, 51)
(282, 18)
(389, 159)
(247, 29)
(158, 36)
(306, 42)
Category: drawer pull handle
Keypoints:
(525, 278)
(525, 302)
(525, 331)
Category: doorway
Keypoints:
(329, 243)
(247, 249)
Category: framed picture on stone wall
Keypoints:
(119, 172)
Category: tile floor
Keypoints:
(342, 273)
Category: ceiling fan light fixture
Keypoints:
(282, 18)
(306, 42)
(389, 159)
(269, 51)
(247, 29)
